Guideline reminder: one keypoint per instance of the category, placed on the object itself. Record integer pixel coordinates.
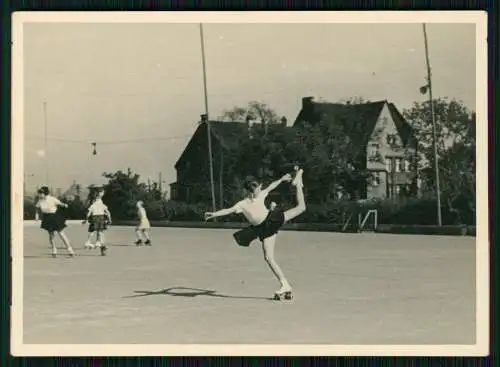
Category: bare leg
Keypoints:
(138, 242)
(100, 237)
(100, 240)
(146, 234)
(66, 242)
(301, 203)
(138, 234)
(268, 248)
(52, 244)
(89, 244)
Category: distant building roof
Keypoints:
(230, 134)
(75, 190)
(356, 120)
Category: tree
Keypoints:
(122, 192)
(255, 110)
(456, 146)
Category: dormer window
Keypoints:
(391, 139)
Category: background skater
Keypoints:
(266, 223)
(100, 217)
(144, 225)
(52, 222)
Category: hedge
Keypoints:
(413, 211)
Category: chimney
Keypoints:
(307, 101)
(283, 121)
(204, 118)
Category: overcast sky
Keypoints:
(123, 82)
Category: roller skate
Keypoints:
(285, 293)
(104, 250)
(147, 242)
(138, 243)
(54, 253)
(89, 246)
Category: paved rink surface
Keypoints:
(196, 286)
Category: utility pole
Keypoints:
(46, 144)
(434, 138)
(207, 119)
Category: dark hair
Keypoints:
(43, 190)
(250, 184)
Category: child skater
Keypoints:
(143, 227)
(91, 231)
(267, 223)
(51, 221)
(100, 217)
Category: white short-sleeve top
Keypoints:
(98, 208)
(254, 209)
(48, 204)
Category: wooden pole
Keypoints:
(434, 139)
(46, 144)
(209, 134)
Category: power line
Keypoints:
(110, 142)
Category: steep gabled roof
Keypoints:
(230, 135)
(357, 120)
(405, 130)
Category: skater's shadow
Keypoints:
(189, 292)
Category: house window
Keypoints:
(408, 165)
(400, 165)
(376, 179)
(391, 139)
(374, 151)
(388, 164)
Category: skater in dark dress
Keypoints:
(267, 223)
(99, 218)
(52, 221)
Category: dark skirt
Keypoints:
(271, 225)
(52, 222)
(98, 223)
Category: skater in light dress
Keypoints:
(100, 218)
(52, 221)
(267, 223)
(142, 230)
(91, 229)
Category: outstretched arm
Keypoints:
(221, 213)
(276, 183)
(60, 203)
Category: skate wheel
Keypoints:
(288, 295)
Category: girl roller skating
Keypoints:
(52, 222)
(99, 218)
(266, 223)
(143, 227)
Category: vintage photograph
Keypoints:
(236, 180)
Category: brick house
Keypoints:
(387, 145)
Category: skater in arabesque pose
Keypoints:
(267, 223)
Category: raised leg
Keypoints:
(301, 203)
